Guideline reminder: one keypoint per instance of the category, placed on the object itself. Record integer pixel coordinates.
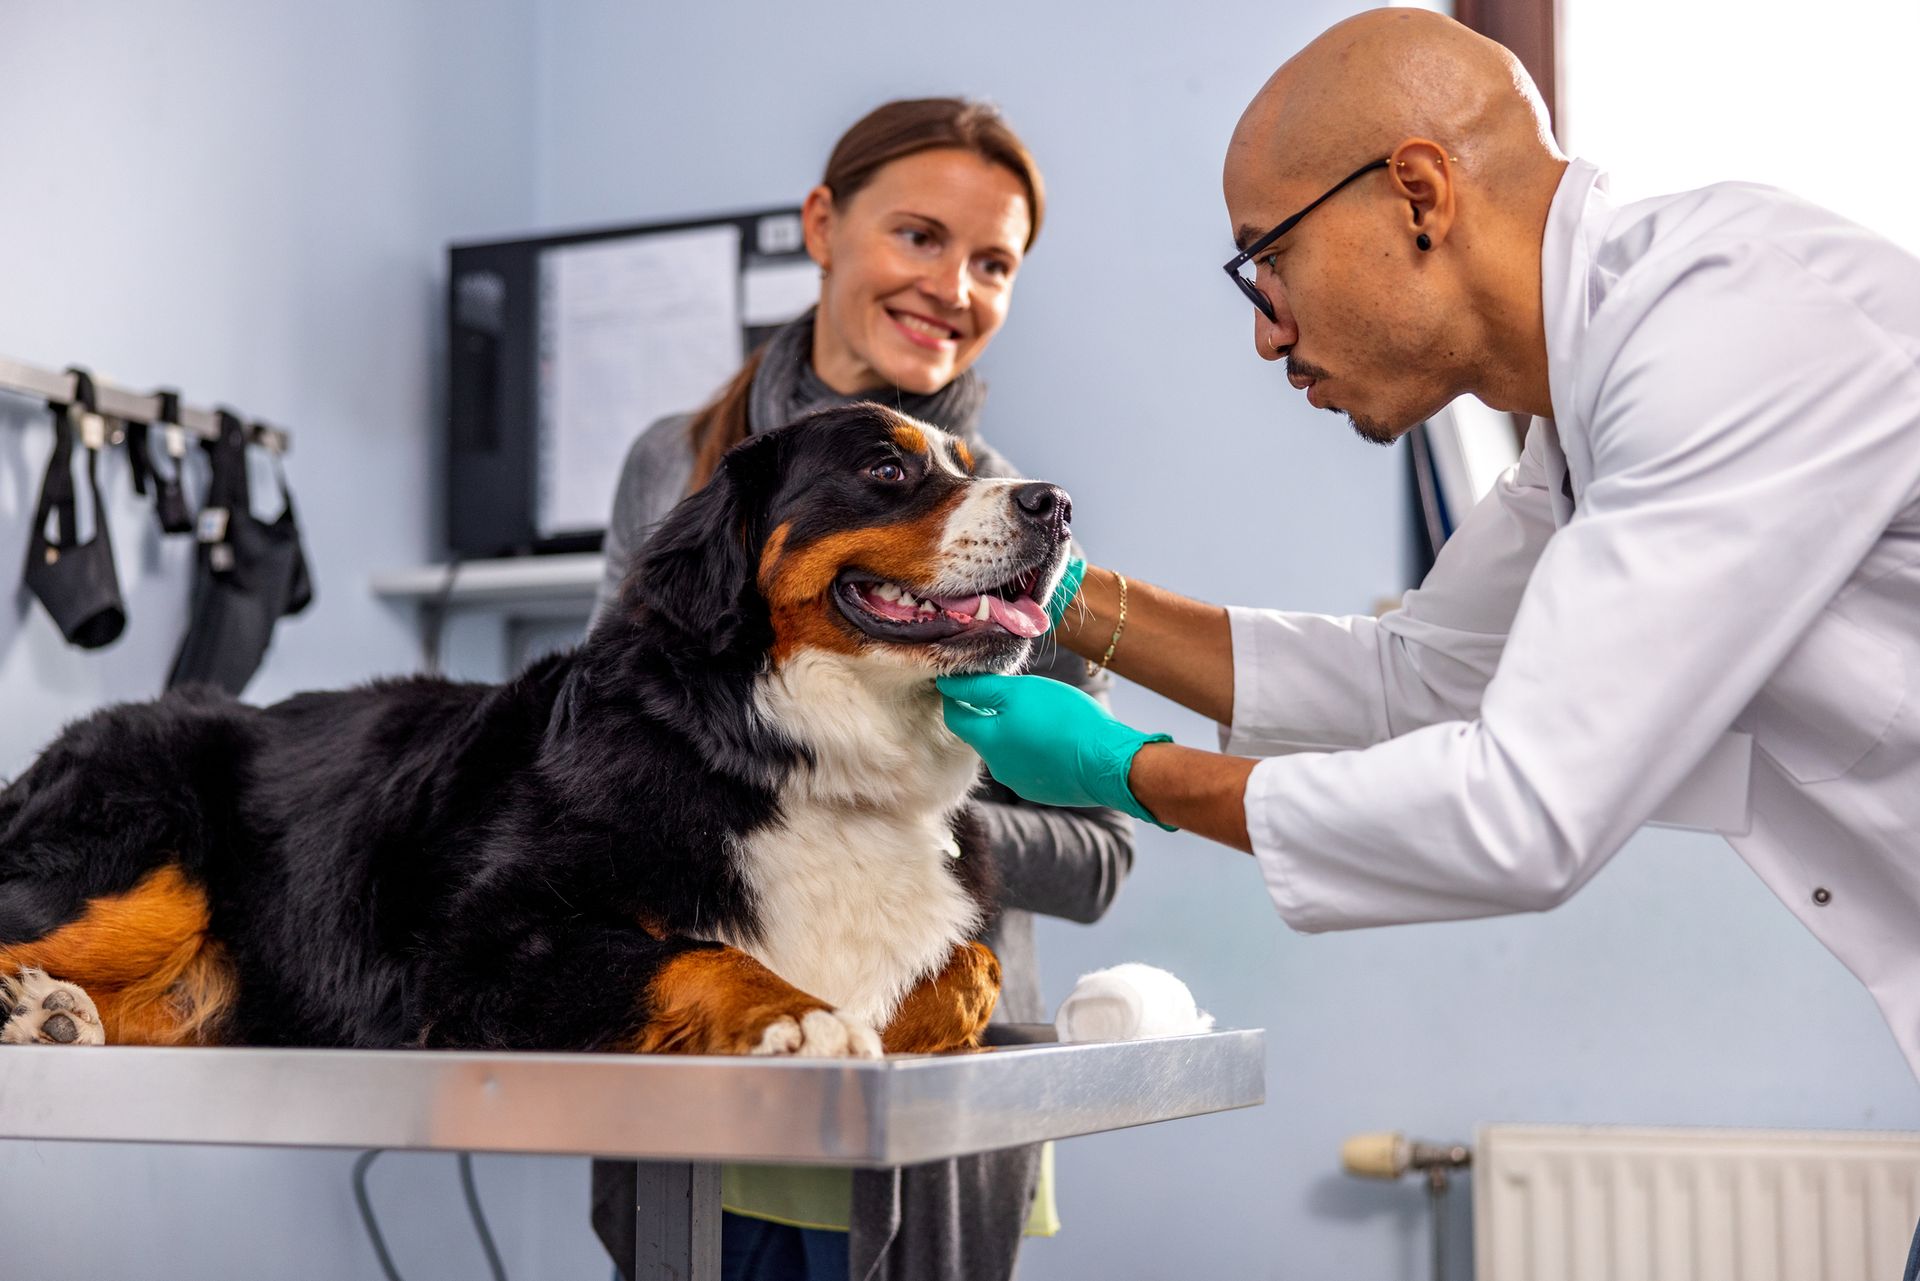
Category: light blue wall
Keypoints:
(283, 180)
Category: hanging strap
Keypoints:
(173, 435)
(138, 457)
(227, 454)
(300, 583)
(227, 497)
(139, 444)
(57, 493)
(169, 498)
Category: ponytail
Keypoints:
(722, 423)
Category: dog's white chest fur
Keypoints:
(857, 898)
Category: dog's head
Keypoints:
(862, 532)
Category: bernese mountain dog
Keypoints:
(731, 821)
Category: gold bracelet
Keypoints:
(1094, 669)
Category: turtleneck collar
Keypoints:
(786, 387)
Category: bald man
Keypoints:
(1714, 527)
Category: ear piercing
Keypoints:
(1423, 241)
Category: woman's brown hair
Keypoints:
(887, 133)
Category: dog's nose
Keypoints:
(1047, 504)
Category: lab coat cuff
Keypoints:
(1266, 802)
(1241, 736)
(1277, 687)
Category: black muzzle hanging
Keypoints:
(75, 581)
(248, 573)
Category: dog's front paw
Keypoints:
(948, 1010)
(822, 1034)
(42, 1010)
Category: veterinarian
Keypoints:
(1714, 525)
(919, 226)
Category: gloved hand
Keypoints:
(1068, 589)
(1046, 740)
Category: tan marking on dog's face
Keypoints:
(966, 455)
(716, 1001)
(909, 437)
(145, 959)
(798, 584)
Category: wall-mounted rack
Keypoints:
(117, 403)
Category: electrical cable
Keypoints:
(479, 1218)
(467, 1188)
(366, 1213)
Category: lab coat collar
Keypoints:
(1576, 221)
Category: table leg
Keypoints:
(677, 1236)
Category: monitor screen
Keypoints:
(566, 347)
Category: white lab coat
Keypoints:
(1736, 387)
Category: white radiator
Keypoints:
(1572, 1203)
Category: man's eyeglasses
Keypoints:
(1254, 250)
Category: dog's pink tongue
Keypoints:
(1022, 617)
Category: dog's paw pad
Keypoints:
(823, 1034)
(43, 1010)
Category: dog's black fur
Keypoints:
(422, 861)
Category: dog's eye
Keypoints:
(888, 473)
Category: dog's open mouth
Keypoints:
(891, 611)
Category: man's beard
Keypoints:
(1371, 430)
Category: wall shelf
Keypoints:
(519, 580)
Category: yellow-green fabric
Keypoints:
(800, 1196)
(1043, 1218)
(821, 1196)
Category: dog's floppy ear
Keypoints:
(700, 566)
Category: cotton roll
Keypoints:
(1128, 1002)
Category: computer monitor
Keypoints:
(563, 348)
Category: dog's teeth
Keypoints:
(981, 613)
(887, 591)
(906, 598)
(926, 607)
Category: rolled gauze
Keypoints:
(1128, 1002)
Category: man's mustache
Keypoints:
(1297, 367)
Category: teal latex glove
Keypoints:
(1068, 589)
(1046, 740)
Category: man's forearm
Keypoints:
(1200, 792)
(1179, 648)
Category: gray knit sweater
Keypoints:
(952, 1219)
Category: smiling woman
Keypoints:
(918, 269)
(920, 223)
(920, 226)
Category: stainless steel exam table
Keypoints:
(680, 1117)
